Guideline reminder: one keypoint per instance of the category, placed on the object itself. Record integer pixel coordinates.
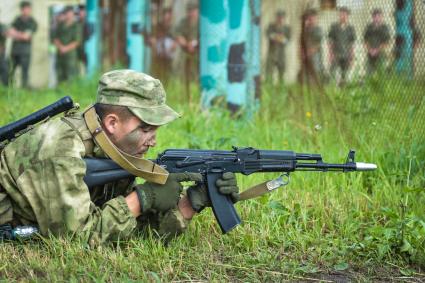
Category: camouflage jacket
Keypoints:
(342, 40)
(375, 36)
(279, 37)
(313, 38)
(66, 35)
(188, 31)
(21, 24)
(41, 182)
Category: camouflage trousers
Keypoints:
(4, 69)
(66, 67)
(271, 64)
(343, 65)
(375, 63)
(6, 211)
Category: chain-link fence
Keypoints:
(373, 48)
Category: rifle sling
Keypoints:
(139, 167)
(255, 191)
(265, 187)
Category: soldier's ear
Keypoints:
(110, 123)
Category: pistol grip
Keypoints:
(222, 205)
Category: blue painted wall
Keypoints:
(230, 51)
(136, 24)
(404, 35)
(93, 45)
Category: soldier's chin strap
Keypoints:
(139, 167)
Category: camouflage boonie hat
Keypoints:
(143, 95)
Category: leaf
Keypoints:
(407, 272)
(407, 247)
(341, 266)
(275, 205)
(278, 208)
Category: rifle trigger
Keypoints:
(281, 181)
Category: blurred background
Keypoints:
(318, 76)
(227, 48)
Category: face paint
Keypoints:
(131, 143)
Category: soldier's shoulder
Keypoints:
(56, 138)
(17, 20)
(48, 141)
(369, 26)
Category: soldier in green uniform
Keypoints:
(4, 76)
(278, 34)
(23, 28)
(187, 37)
(41, 171)
(163, 45)
(67, 38)
(376, 38)
(341, 44)
(313, 71)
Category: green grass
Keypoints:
(359, 226)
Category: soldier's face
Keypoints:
(132, 136)
(193, 13)
(377, 19)
(69, 16)
(281, 19)
(343, 17)
(26, 11)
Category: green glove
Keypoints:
(226, 185)
(160, 198)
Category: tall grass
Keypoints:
(359, 225)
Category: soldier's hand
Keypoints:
(226, 185)
(160, 198)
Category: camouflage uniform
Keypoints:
(21, 50)
(313, 53)
(41, 172)
(163, 56)
(67, 63)
(276, 52)
(342, 39)
(3, 63)
(376, 36)
(191, 61)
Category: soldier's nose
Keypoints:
(152, 142)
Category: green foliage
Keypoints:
(358, 224)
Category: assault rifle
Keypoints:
(213, 163)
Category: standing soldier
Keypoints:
(3, 63)
(278, 34)
(23, 28)
(84, 29)
(376, 38)
(312, 48)
(163, 45)
(187, 37)
(341, 44)
(67, 39)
